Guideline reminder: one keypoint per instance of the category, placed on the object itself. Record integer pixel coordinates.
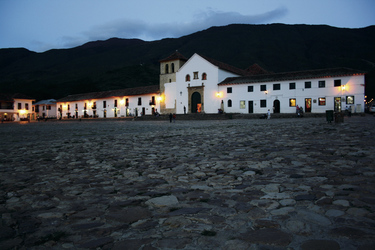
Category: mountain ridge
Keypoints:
(120, 63)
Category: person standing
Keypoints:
(269, 114)
(170, 117)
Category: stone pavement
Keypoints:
(228, 184)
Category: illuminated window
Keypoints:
(250, 88)
(337, 83)
(229, 103)
(263, 87)
(187, 78)
(350, 99)
(204, 76)
(276, 86)
(292, 85)
(322, 84)
(263, 103)
(229, 90)
(242, 105)
(322, 101)
(196, 75)
(292, 102)
(307, 85)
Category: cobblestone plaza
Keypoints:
(217, 184)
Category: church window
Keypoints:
(187, 78)
(229, 90)
(229, 103)
(172, 67)
(196, 75)
(166, 69)
(204, 76)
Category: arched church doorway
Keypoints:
(276, 106)
(196, 102)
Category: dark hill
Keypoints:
(121, 63)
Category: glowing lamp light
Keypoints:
(219, 94)
(122, 102)
(343, 87)
(160, 98)
(266, 92)
(22, 112)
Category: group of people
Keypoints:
(172, 117)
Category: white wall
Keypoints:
(354, 86)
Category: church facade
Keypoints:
(203, 85)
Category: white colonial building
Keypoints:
(109, 104)
(16, 107)
(201, 84)
(204, 85)
(45, 108)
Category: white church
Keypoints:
(203, 85)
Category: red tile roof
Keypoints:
(11, 97)
(153, 89)
(225, 66)
(175, 56)
(255, 69)
(298, 75)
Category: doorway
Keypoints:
(276, 106)
(337, 106)
(251, 107)
(308, 105)
(105, 113)
(196, 105)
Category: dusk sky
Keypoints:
(40, 25)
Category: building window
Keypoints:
(307, 85)
(292, 102)
(166, 69)
(85, 106)
(196, 75)
(68, 106)
(76, 106)
(322, 84)
(242, 105)
(187, 78)
(26, 106)
(127, 102)
(350, 99)
(139, 101)
(115, 104)
(49, 107)
(43, 107)
(104, 104)
(276, 86)
(19, 105)
(292, 85)
(322, 101)
(204, 76)
(250, 88)
(229, 103)
(263, 87)
(172, 67)
(337, 83)
(229, 90)
(263, 103)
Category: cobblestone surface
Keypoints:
(232, 184)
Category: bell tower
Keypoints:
(168, 68)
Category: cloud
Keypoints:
(126, 28)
